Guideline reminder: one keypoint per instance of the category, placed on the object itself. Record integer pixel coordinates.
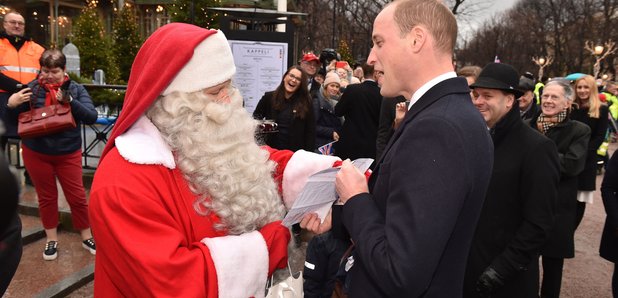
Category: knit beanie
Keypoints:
(331, 77)
(177, 57)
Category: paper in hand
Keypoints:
(319, 193)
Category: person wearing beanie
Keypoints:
(184, 202)
(327, 124)
(518, 212)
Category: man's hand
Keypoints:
(488, 282)
(18, 98)
(350, 181)
(311, 222)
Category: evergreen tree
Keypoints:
(181, 11)
(94, 45)
(126, 40)
(344, 51)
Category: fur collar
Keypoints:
(143, 144)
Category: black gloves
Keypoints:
(488, 282)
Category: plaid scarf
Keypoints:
(544, 123)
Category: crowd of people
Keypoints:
(479, 176)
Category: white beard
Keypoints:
(215, 148)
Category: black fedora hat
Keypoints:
(499, 76)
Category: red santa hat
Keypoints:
(176, 57)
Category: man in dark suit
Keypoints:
(518, 212)
(413, 222)
(360, 106)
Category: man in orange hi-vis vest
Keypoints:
(19, 65)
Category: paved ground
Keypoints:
(586, 275)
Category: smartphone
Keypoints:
(21, 86)
(341, 64)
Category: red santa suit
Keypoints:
(150, 240)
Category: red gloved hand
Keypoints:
(277, 237)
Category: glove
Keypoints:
(277, 238)
(488, 282)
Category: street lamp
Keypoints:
(542, 62)
(600, 52)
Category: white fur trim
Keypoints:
(302, 165)
(143, 144)
(241, 263)
(212, 63)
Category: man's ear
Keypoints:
(510, 100)
(417, 38)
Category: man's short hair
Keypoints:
(367, 71)
(469, 71)
(433, 15)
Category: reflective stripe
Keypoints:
(18, 69)
(309, 265)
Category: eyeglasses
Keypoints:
(293, 77)
(16, 23)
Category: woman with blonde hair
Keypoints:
(589, 110)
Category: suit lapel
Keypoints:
(444, 88)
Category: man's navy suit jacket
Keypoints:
(413, 231)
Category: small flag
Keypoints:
(496, 59)
(327, 149)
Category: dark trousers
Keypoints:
(581, 209)
(10, 252)
(552, 277)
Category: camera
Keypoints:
(20, 87)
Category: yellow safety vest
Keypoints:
(537, 89)
(22, 66)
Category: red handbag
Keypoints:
(46, 120)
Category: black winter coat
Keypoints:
(360, 105)
(609, 191)
(326, 122)
(571, 138)
(385, 126)
(518, 212)
(598, 128)
(10, 226)
(302, 131)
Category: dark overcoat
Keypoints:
(518, 211)
(412, 232)
(571, 139)
(598, 128)
(360, 106)
(326, 122)
(609, 189)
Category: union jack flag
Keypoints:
(327, 149)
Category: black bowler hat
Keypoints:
(499, 76)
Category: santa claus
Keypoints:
(184, 203)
